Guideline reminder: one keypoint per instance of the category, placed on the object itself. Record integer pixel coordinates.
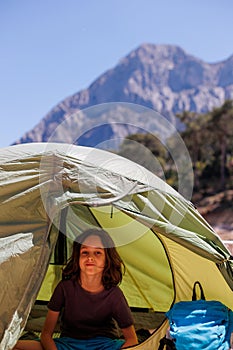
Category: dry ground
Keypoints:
(217, 209)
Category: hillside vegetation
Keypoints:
(209, 140)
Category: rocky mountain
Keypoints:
(160, 77)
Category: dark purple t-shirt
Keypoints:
(86, 315)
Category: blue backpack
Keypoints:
(200, 324)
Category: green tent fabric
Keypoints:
(50, 188)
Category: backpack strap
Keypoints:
(194, 296)
(170, 345)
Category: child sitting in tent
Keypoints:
(88, 299)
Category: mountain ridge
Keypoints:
(162, 77)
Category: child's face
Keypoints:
(92, 256)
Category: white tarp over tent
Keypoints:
(165, 243)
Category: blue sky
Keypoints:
(51, 49)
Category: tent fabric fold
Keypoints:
(52, 189)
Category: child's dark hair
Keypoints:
(114, 266)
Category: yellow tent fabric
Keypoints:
(165, 243)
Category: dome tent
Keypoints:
(165, 243)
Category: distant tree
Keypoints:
(209, 139)
(194, 135)
(146, 150)
(220, 128)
